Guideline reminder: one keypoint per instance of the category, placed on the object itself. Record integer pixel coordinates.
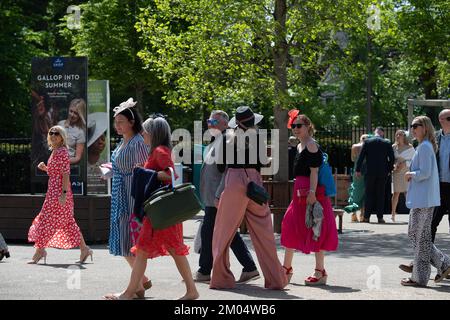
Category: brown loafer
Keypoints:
(406, 268)
(440, 277)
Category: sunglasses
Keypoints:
(51, 133)
(212, 122)
(297, 125)
(415, 125)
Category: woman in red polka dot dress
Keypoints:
(55, 225)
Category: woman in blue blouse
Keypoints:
(130, 152)
(422, 197)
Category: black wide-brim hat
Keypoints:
(245, 116)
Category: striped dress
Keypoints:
(124, 159)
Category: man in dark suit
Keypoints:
(380, 159)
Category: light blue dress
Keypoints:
(123, 160)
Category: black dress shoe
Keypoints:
(381, 220)
(406, 268)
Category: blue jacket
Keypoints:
(145, 182)
(423, 190)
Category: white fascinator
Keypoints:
(124, 105)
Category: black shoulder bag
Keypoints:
(256, 192)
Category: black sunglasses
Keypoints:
(56, 133)
(297, 125)
(415, 125)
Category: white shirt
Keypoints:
(75, 135)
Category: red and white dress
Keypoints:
(55, 225)
(156, 243)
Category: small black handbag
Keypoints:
(256, 192)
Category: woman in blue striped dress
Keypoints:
(130, 152)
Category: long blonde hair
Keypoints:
(429, 130)
(80, 105)
(62, 133)
(405, 138)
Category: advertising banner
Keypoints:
(59, 97)
(98, 136)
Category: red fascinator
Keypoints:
(292, 116)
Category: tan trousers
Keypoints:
(234, 206)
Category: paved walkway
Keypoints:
(364, 267)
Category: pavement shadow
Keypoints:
(376, 245)
(64, 266)
(260, 292)
(332, 289)
(441, 287)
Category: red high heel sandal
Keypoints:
(318, 278)
(289, 273)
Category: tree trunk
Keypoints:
(280, 52)
(140, 100)
(281, 86)
(428, 79)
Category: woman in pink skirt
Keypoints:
(294, 233)
(55, 225)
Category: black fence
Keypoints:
(15, 165)
(15, 154)
(338, 140)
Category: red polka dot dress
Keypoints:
(55, 225)
(155, 243)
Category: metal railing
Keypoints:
(15, 154)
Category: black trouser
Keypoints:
(375, 195)
(238, 246)
(388, 195)
(444, 208)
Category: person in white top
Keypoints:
(403, 152)
(75, 126)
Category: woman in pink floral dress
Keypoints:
(55, 225)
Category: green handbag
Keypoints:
(171, 205)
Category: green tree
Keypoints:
(233, 51)
(17, 46)
(110, 41)
(27, 30)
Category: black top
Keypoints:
(250, 147)
(305, 160)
